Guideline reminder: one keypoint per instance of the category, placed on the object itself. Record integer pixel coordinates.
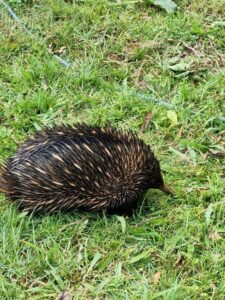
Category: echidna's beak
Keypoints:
(166, 190)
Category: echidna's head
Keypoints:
(156, 181)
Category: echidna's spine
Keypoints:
(3, 182)
(84, 167)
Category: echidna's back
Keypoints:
(85, 167)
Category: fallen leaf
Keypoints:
(218, 24)
(61, 50)
(180, 67)
(174, 60)
(146, 122)
(179, 261)
(208, 213)
(214, 236)
(45, 86)
(178, 153)
(156, 277)
(172, 116)
(169, 5)
(192, 154)
(122, 222)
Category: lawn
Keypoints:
(128, 59)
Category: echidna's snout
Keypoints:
(166, 190)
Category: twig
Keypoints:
(146, 122)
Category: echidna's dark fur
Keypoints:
(84, 167)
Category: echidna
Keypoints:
(82, 167)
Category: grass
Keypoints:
(123, 56)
